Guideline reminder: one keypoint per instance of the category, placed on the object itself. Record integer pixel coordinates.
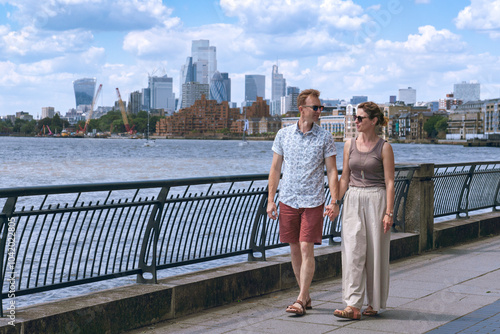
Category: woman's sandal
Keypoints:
(370, 312)
(348, 313)
(296, 310)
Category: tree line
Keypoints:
(110, 122)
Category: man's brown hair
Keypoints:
(301, 99)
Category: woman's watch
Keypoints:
(389, 214)
(337, 202)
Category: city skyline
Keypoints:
(343, 48)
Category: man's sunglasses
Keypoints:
(359, 118)
(315, 108)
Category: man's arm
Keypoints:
(274, 179)
(332, 174)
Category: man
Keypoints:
(305, 149)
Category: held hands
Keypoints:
(332, 211)
(272, 210)
(387, 222)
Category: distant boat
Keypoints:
(244, 141)
(148, 142)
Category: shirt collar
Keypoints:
(314, 130)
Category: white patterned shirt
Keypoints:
(302, 184)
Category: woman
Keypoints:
(368, 170)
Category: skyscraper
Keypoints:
(467, 91)
(161, 93)
(217, 88)
(200, 67)
(192, 91)
(84, 91)
(205, 59)
(278, 85)
(227, 83)
(255, 85)
(408, 96)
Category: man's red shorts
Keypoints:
(303, 224)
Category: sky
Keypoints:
(343, 48)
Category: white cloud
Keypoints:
(30, 41)
(481, 15)
(422, 1)
(428, 40)
(107, 15)
(289, 16)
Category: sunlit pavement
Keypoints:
(451, 290)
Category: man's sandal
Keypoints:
(296, 310)
(309, 304)
(348, 313)
(370, 312)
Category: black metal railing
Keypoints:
(75, 234)
(461, 188)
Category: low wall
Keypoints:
(138, 305)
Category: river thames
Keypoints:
(52, 161)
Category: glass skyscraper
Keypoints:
(255, 85)
(84, 91)
(278, 85)
(217, 88)
(161, 93)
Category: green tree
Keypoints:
(432, 124)
(28, 128)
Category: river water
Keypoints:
(56, 161)
(52, 161)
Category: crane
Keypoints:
(124, 113)
(89, 116)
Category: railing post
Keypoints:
(8, 210)
(152, 231)
(420, 206)
(465, 193)
(261, 215)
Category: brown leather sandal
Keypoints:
(309, 304)
(348, 313)
(296, 310)
(370, 312)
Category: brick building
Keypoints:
(203, 117)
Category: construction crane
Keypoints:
(124, 113)
(89, 116)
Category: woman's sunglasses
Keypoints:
(359, 118)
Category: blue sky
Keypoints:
(341, 47)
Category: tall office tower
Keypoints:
(227, 83)
(292, 90)
(146, 101)
(84, 91)
(48, 112)
(217, 88)
(392, 99)
(255, 85)
(408, 96)
(358, 99)
(278, 85)
(161, 93)
(135, 102)
(205, 58)
(192, 91)
(467, 91)
(188, 74)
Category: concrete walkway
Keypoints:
(450, 290)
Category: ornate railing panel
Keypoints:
(460, 188)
